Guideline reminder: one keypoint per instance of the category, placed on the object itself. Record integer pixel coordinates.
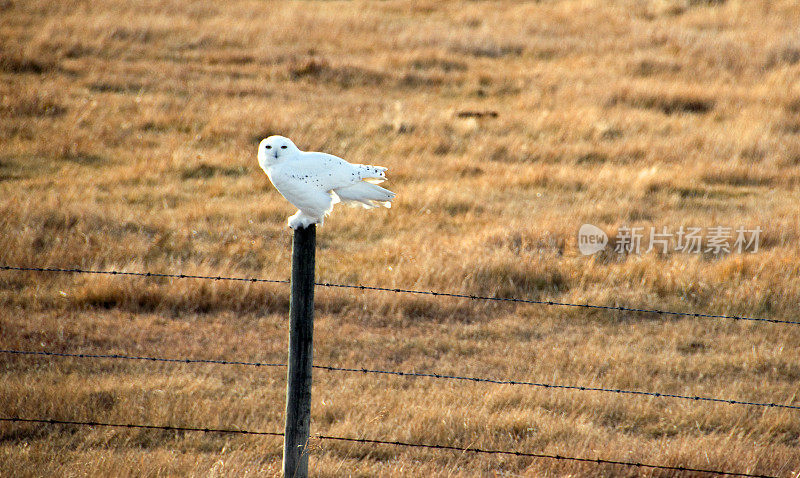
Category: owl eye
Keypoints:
(283, 147)
(269, 147)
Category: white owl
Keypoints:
(314, 182)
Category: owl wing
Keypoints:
(310, 179)
(335, 172)
(300, 182)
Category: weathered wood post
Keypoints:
(301, 331)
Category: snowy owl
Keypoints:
(314, 182)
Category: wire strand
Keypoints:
(598, 461)
(417, 374)
(563, 387)
(135, 357)
(408, 291)
(140, 274)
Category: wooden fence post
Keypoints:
(301, 331)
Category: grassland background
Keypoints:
(128, 142)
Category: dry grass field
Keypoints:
(128, 136)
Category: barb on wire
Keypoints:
(599, 461)
(418, 374)
(412, 291)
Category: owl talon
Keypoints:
(300, 220)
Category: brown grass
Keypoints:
(128, 142)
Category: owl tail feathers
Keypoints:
(372, 174)
(366, 194)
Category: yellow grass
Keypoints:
(128, 142)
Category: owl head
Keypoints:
(275, 148)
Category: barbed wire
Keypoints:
(140, 274)
(563, 387)
(407, 291)
(598, 461)
(135, 357)
(132, 425)
(397, 373)
(416, 374)
(552, 302)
